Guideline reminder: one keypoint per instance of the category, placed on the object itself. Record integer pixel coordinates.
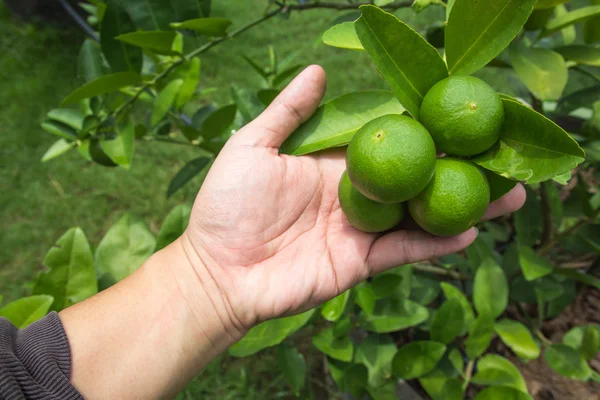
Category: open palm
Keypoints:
(269, 229)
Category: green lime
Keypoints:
(391, 159)
(463, 114)
(365, 214)
(455, 199)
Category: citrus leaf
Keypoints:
(516, 336)
(120, 149)
(60, 147)
(528, 220)
(452, 292)
(120, 56)
(335, 123)
(480, 336)
(567, 362)
(417, 358)
(25, 311)
(185, 174)
(291, 363)
(164, 101)
(173, 226)
(334, 308)
(90, 63)
(376, 352)
(217, 122)
(189, 9)
(448, 322)
(456, 359)
(159, 41)
(434, 383)
(585, 339)
(124, 248)
(579, 99)
(104, 84)
(533, 265)
(570, 18)
(70, 276)
(343, 36)
(150, 14)
(478, 31)
(581, 54)
(391, 315)
(388, 40)
(205, 26)
(531, 147)
(339, 348)
(490, 289)
(543, 71)
(502, 393)
(499, 185)
(498, 371)
(268, 334)
(188, 89)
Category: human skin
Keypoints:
(267, 238)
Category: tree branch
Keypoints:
(441, 271)
(340, 6)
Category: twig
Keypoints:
(341, 6)
(441, 271)
(168, 140)
(577, 264)
(468, 374)
(543, 338)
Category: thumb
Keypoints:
(294, 105)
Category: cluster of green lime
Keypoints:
(392, 160)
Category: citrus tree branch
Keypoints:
(340, 6)
(432, 269)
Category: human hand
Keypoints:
(267, 235)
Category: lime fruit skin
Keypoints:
(463, 114)
(391, 159)
(365, 214)
(454, 201)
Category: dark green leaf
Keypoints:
(60, 130)
(188, 89)
(579, 99)
(434, 382)
(334, 308)
(498, 371)
(70, 276)
(286, 74)
(343, 36)
(120, 149)
(90, 64)
(516, 336)
(190, 9)
(528, 220)
(291, 363)
(542, 4)
(417, 358)
(98, 155)
(385, 392)
(60, 147)
(342, 326)
(531, 147)
(390, 315)
(490, 289)
(456, 359)
(124, 248)
(205, 26)
(543, 71)
(424, 289)
(581, 54)
(25, 311)
(478, 31)
(502, 393)
(452, 292)
(388, 40)
(173, 226)
(533, 265)
(376, 352)
(159, 41)
(335, 123)
(499, 185)
(185, 174)
(164, 101)
(266, 96)
(448, 322)
(385, 285)
(481, 251)
(104, 84)
(150, 15)
(570, 18)
(567, 362)
(269, 334)
(453, 389)
(480, 336)
(340, 348)
(365, 298)
(247, 103)
(120, 56)
(585, 339)
(217, 122)
(257, 68)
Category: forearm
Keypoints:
(147, 336)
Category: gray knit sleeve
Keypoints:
(35, 363)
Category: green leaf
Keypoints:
(365, 298)
(70, 276)
(120, 149)
(568, 19)
(541, 4)
(498, 371)
(124, 248)
(533, 265)
(343, 36)
(567, 362)
(448, 322)
(59, 129)
(424, 289)
(334, 308)
(490, 289)
(388, 40)
(217, 122)
(528, 220)
(150, 15)
(89, 63)
(120, 56)
(480, 251)
(385, 285)
(434, 383)
(581, 54)
(480, 336)
(269, 334)
(335, 123)
(499, 185)
(205, 26)
(25, 311)
(185, 174)
(516, 336)
(247, 103)
(452, 292)
(189, 9)
(478, 31)
(585, 339)
(579, 99)
(104, 84)
(531, 147)
(188, 89)
(351, 378)
(164, 101)
(67, 116)
(286, 74)
(339, 348)
(390, 315)
(543, 71)
(453, 390)
(266, 96)
(376, 352)
(173, 226)
(456, 359)
(385, 392)
(159, 41)
(502, 393)
(417, 358)
(60, 147)
(291, 362)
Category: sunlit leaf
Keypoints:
(343, 36)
